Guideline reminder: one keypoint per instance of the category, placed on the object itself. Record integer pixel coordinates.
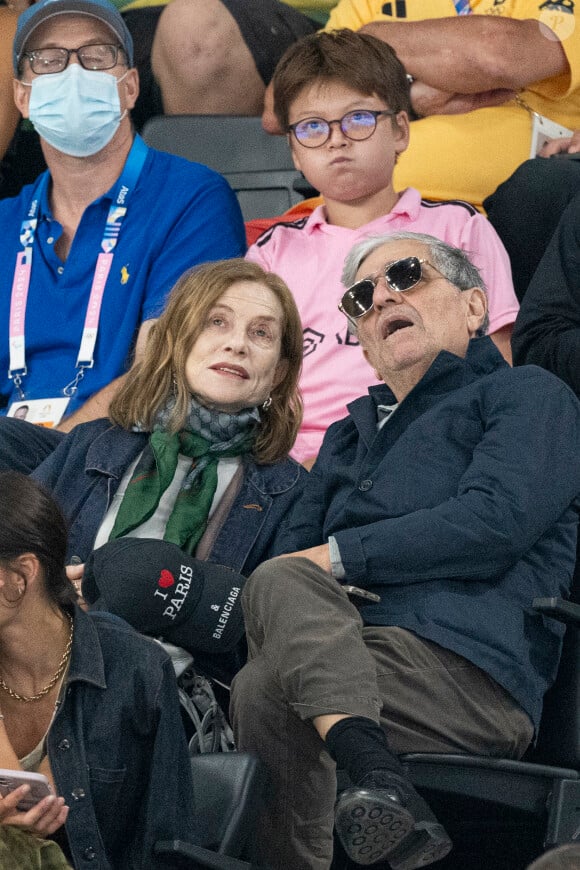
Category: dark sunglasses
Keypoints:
(401, 275)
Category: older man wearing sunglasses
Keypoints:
(443, 504)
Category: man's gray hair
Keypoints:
(453, 263)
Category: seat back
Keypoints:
(228, 788)
(559, 734)
(258, 166)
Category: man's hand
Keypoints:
(566, 145)
(46, 817)
(432, 101)
(319, 555)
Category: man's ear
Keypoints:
(130, 84)
(476, 302)
(401, 131)
(21, 97)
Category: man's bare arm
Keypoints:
(98, 405)
(472, 53)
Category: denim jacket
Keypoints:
(85, 470)
(117, 748)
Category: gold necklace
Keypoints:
(53, 680)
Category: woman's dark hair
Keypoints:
(31, 522)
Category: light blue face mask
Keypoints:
(76, 111)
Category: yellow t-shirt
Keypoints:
(467, 156)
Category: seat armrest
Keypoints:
(188, 856)
(558, 608)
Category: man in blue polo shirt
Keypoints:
(94, 246)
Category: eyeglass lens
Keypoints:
(357, 125)
(401, 275)
(55, 60)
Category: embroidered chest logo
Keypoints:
(310, 341)
(124, 275)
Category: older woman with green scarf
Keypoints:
(195, 451)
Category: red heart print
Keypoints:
(166, 579)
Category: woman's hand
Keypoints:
(75, 575)
(42, 820)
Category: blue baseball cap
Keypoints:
(40, 12)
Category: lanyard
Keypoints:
(462, 7)
(22, 272)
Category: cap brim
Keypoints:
(36, 15)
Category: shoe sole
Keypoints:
(370, 824)
(426, 843)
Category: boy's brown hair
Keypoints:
(358, 60)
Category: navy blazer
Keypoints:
(459, 511)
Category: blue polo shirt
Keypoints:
(179, 214)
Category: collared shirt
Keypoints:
(117, 748)
(309, 255)
(179, 214)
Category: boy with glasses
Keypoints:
(343, 99)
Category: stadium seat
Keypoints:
(228, 792)
(258, 166)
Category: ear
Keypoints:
(401, 131)
(21, 97)
(130, 88)
(28, 566)
(21, 572)
(476, 308)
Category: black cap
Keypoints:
(163, 592)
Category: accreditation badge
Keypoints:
(543, 130)
(42, 412)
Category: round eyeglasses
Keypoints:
(54, 60)
(358, 125)
(401, 275)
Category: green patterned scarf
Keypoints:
(210, 436)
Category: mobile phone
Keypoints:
(361, 596)
(39, 786)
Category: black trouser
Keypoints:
(526, 208)
(23, 446)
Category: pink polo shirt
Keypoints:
(309, 255)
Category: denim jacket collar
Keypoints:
(86, 664)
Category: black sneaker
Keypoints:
(385, 818)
